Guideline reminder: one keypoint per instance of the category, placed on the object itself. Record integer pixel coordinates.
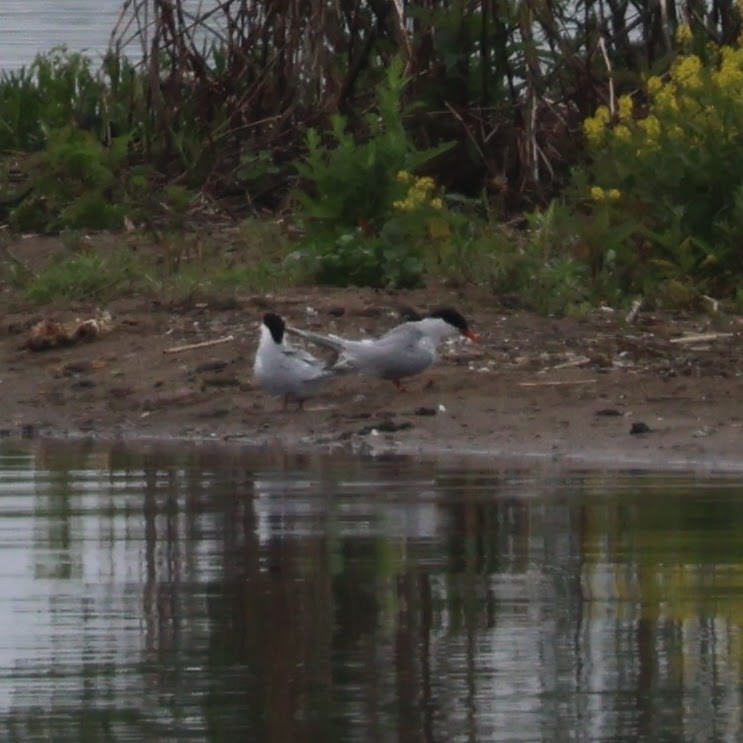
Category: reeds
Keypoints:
(511, 80)
(219, 95)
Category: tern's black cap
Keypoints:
(276, 325)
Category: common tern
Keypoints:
(406, 350)
(284, 371)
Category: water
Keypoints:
(196, 593)
(28, 27)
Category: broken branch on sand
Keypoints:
(203, 344)
(700, 337)
(557, 382)
(572, 364)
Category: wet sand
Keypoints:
(535, 389)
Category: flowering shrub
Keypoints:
(420, 193)
(366, 217)
(675, 161)
(393, 252)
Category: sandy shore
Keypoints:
(534, 389)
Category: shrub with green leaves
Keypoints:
(84, 276)
(57, 89)
(353, 180)
(354, 199)
(355, 259)
(675, 164)
(76, 181)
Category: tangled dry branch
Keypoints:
(510, 81)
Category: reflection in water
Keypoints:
(202, 593)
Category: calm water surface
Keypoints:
(28, 27)
(198, 593)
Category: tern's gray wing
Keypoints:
(303, 366)
(410, 331)
(402, 352)
(302, 357)
(331, 342)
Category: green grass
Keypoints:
(85, 276)
(255, 257)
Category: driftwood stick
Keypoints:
(635, 311)
(607, 62)
(580, 361)
(700, 338)
(557, 383)
(713, 302)
(203, 344)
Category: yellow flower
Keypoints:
(731, 55)
(651, 126)
(424, 184)
(684, 35)
(419, 193)
(653, 84)
(597, 193)
(686, 70)
(602, 114)
(625, 107)
(729, 75)
(614, 194)
(594, 127)
(667, 100)
(594, 130)
(622, 133)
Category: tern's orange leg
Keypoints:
(399, 385)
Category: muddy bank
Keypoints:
(567, 390)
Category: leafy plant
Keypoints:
(352, 180)
(75, 182)
(355, 259)
(56, 90)
(84, 276)
(366, 215)
(676, 165)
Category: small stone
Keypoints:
(120, 392)
(385, 426)
(639, 427)
(76, 367)
(608, 412)
(216, 413)
(390, 426)
(210, 366)
(425, 411)
(220, 382)
(83, 384)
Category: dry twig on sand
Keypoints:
(203, 344)
(700, 338)
(557, 382)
